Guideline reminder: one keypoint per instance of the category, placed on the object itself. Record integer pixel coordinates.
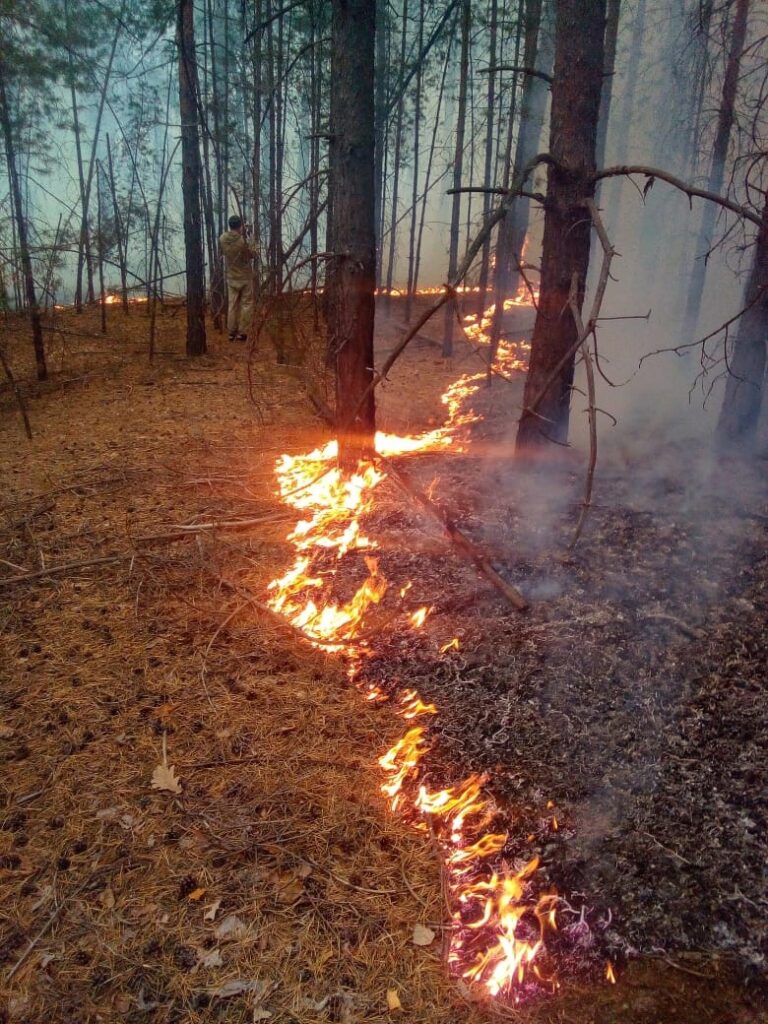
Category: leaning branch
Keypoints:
(460, 541)
(627, 170)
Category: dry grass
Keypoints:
(276, 883)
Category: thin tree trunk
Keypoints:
(488, 166)
(611, 39)
(121, 241)
(742, 403)
(428, 176)
(717, 167)
(579, 62)
(100, 250)
(630, 88)
(538, 41)
(398, 150)
(458, 163)
(380, 101)
(351, 305)
(21, 228)
(415, 189)
(191, 179)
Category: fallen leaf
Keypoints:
(231, 928)
(107, 813)
(260, 1015)
(6, 732)
(212, 958)
(107, 898)
(197, 894)
(393, 1000)
(123, 1003)
(164, 778)
(211, 911)
(304, 870)
(236, 987)
(422, 936)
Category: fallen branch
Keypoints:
(17, 392)
(461, 542)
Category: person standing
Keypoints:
(239, 256)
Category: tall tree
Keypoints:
(725, 119)
(737, 425)
(352, 272)
(458, 164)
(191, 180)
(611, 39)
(578, 79)
(20, 221)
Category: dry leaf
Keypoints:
(231, 928)
(422, 936)
(237, 987)
(164, 778)
(123, 1003)
(211, 911)
(197, 894)
(6, 732)
(393, 1000)
(107, 898)
(211, 958)
(260, 1015)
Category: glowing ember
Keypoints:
(497, 926)
(610, 974)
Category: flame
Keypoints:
(418, 617)
(610, 974)
(497, 927)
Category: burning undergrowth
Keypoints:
(575, 723)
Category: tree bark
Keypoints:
(353, 268)
(725, 120)
(415, 183)
(737, 424)
(21, 227)
(191, 179)
(398, 150)
(485, 260)
(458, 163)
(611, 39)
(579, 62)
(532, 112)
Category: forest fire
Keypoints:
(497, 927)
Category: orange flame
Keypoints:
(610, 974)
(497, 931)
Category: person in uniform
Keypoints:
(238, 256)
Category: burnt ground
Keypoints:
(276, 886)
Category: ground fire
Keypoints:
(498, 926)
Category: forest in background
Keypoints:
(92, 165)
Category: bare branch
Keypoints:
(691, 191)
(518, 71)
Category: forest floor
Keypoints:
(277, 886)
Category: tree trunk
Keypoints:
(398, 150)
(488, 166)
(737, 425)
(630, 87)
(381, 127)
(415, 188)
(191, 180)
(717, 167)
(458, 164)
(21, 228)
(532, 112)
(579, 38)
(122, 241)
(353, 270)
(611, 38)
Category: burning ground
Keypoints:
(624, 708)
